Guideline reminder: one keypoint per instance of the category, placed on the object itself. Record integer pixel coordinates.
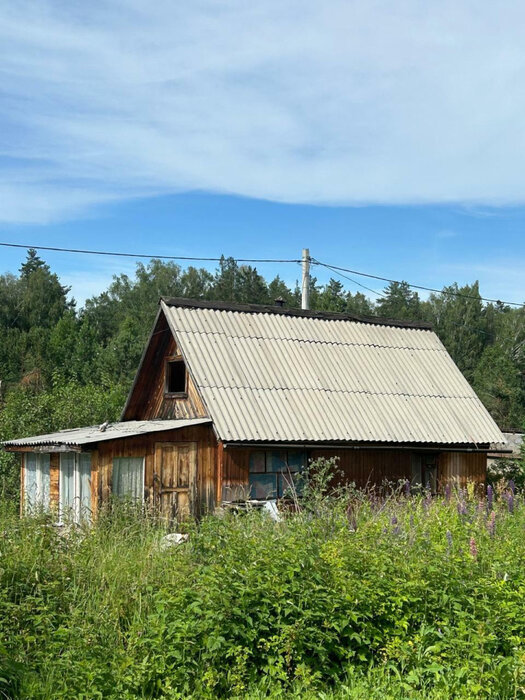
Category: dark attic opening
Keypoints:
(175, 376)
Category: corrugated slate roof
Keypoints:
(271, 375)
(85, 436)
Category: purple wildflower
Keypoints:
(449, 539)
(512, 487)
(397, 529)
(448, 491)
(473, 548)
(510, 501)
(490, 497)
(462, 508)
(491, 525)
(407, 488)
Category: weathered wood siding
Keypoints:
(144, 446)
(235, 473)
(369, 467)
(461, 467)
(364, 467)
(148, 399)
(54, 480)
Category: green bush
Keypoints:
(355, 596)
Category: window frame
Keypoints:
(140, 497)
(172, 359)
(79, 507)
(42, 482)
(279, 475)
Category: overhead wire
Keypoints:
(414, 286)
(334, 268)
(145, 255)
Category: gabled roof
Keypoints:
(281, 375)
(77, 437)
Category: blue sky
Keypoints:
(386, 137)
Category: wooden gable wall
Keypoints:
(148, 399)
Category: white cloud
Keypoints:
(353, 102)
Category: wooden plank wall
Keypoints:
(235, 473)
(144, 446)
(54, 480)
(369, 467)
(148, 400)
(364, 467)
(461, 467)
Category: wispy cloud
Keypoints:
(298, 101)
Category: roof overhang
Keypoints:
(78, 438)
(413, 447)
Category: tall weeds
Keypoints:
(351, 595)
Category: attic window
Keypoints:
(175, 376)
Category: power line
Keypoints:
(335, 268)
(414, 286)
(144, 255)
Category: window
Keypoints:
(36, 480)
(128, 477)
(75, 486)
(275, 473)
(175, 376)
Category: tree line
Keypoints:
(63, 366)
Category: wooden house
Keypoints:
(233, 400)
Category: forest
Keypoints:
(63, 366)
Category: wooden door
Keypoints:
(176, 472)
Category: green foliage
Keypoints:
(460, 323)
(498, 383)
(65, 405)
(46, 343)
(354, 596)
(400, 302)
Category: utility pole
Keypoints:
(305, 287)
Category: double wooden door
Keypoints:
(176, 476)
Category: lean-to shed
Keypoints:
(233, 400)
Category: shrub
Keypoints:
(357, 595)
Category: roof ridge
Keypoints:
(309, 340)
(278, 310)
(338, 391)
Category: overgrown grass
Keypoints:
(356, 596)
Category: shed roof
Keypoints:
(77, 437)
(268, 374)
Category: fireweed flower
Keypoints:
(473, 548)
(490, 497)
